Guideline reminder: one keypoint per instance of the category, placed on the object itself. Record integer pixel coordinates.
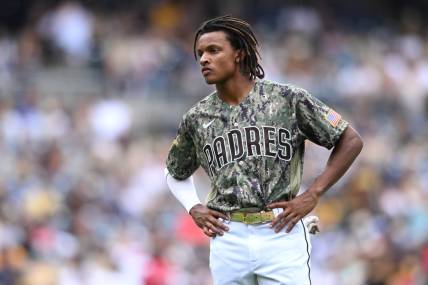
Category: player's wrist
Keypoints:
(194, 207)
(318, 188)
(315, 193)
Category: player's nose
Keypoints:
(203, 60)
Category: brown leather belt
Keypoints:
(252, 218)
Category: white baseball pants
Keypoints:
(255, 254)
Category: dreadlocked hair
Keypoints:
(241, 37)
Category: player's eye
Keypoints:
(213, 49)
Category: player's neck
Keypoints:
(234, 90)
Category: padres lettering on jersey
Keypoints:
(253, 152)
(267, 141)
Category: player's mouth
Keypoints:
(206, 71)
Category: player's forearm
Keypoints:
(183, 190)
(343, 155)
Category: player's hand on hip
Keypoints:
(293, 211)
(208, 220)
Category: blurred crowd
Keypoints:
(85, 125)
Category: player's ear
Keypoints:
(239, 57)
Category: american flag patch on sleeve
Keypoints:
(333, 117)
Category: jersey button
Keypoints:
(235, 124)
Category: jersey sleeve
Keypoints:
(316, 121)
(182, 159)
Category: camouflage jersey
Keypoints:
(252, 152)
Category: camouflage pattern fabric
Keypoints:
(253, 152)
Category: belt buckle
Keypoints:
(253, 218)
(247, 219)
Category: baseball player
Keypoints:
(249, 136)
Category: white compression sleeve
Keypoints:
(183, 190)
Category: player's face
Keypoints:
(217, 57)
